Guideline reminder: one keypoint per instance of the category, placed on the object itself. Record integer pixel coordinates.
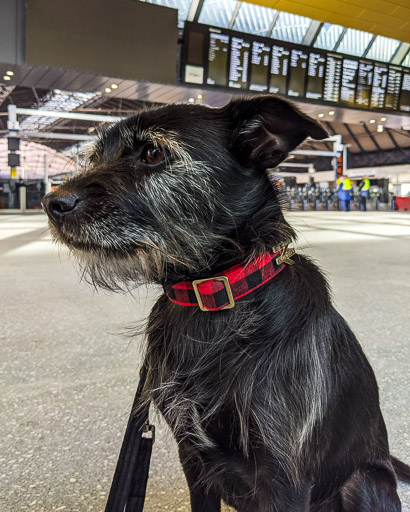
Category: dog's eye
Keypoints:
(153, 155)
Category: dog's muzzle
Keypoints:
(60, 205)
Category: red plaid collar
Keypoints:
(221, 291)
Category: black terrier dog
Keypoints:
(269, 395)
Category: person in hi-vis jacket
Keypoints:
(364, 188)
(344, 194)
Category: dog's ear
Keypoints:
(266, 128)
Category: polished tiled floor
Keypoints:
(68, 373)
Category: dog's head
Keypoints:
(171, 189)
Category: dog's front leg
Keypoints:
(203, 498)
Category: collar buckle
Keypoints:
(228, 290)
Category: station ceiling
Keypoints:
(44, 88)
(389, 18)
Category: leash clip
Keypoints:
(287, 253)
(149, 429)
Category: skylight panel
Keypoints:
(383, 48)
(354, 42)
(328, 36)
(217, 12)
(290, 27)
(254, 19)
(61, 101)
(406, 61)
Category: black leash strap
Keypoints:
(129, 484)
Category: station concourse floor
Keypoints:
(68, 372)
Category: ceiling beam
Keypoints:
(54, 135)
(313, 152)
(401, 53)
(272, 25)
(336, 46)
(196, 7)
(312, 32)
(234, 15)
(371, 137)
(392, 139)
(354, 137)
(329, 127)
(366, 51)
(68, 115)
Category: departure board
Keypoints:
(315, 73)
(333, 78)
(405, 93)
(279, 69)
(260, 57)
(217, 59)
(349, 82)
(379, 86)
(239, 63)
(297, 72)
(391, 100)
(364, 84)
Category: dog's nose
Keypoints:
(57, 206)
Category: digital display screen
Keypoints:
(315, 73)
(298, 70)
(247, 62)
(217, 59)
(405, 93)
(259, 66)
(239, 63)
(333, 78)
(391, 100)
(349, 81)
(364, 84)
(379, 86)
(279, 69)
(196, 48)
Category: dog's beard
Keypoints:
(117, 252)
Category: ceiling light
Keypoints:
(379, 128)
(10, 73)
(107, 89)
(5, 77)
(191, 100)
(114, 86)
(332, 113)
(321, 115)
(372, 121)
(199, 96)
(382, 119)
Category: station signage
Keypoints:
(222, 58)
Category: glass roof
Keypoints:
(290, 27)
(383, 49)
(182, 6)
(217, 12)
(56, 101)
(254, 19)
(354, 42)
(328, 36)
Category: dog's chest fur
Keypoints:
(222, 381)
